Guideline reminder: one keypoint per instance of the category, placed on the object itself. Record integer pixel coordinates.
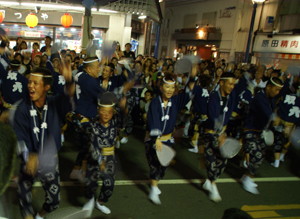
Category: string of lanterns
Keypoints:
(32, 20)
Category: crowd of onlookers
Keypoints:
(147, 69)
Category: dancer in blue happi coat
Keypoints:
(161, 121)
(101, 161)
(37, 125)
(14, 85)
(259, 118)
(199, 108)
(87, 91)
(288, 113)
(220, 107)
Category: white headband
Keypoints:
(38, 75)
(95, 60)
(225, 78)
(278, 85)
(106, 105)
(169, 82)
(15, 64)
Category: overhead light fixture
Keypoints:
(73, 29)
(105, 10)
(258, 1)
(9, 3)
(96, 31)
(94, 9)
(61, 29)
(142, 17)
(59, 6)
(201, 33)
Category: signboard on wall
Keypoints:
(137, 27)
(277, 44)
(74, 45)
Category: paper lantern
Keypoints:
(66, 20)
(1, 17)
(69, 35)
(31, 20)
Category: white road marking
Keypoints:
(176, 181)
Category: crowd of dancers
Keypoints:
(97, 100)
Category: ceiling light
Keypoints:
(105, 10)
(61, 29)
(59, 6)
(94, 9)
(73, 29)
(142, 17)
(9, 3)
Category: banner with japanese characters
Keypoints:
(277, 44)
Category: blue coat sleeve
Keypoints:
(3, 67)
(213, 110)
(154, 119)
(184, 97)
(21, 125)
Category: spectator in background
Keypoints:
(179, 54)
(118, 52)
(139, 58)
(63, 53)
(127, 53)
(207, 71)
(44, 60)
(48, 40)
(18, 42)
(27, 62)
(144, 105)
(154, 77)
(37, 61)
(170, 68)
(19, 57)
(257, 81)
(22, 46)
(73, 54)
(114, 61)
(75, 66)
(56, 65)
(36, 48)
(215, 84)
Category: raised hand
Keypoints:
(66, 71)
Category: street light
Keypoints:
(251, 27)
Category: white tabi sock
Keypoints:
(38, 216)
(276, 163)
(153, 195)
(281, 157)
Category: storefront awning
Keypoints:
(277, 55)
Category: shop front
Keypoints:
(202, 42)
(277, 50)
(49, 24)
